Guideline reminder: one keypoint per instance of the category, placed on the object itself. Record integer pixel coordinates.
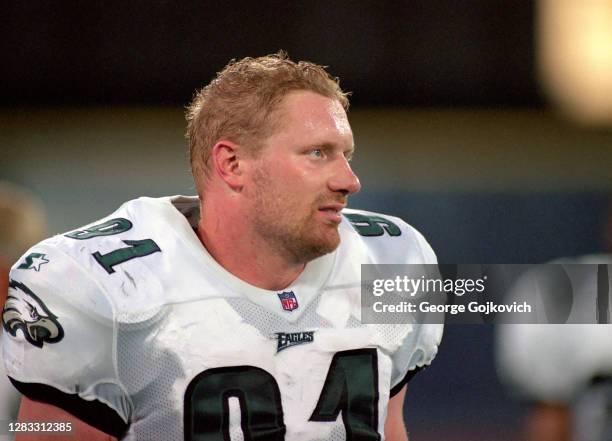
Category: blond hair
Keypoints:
(239, 103)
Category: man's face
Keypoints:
(301, 179)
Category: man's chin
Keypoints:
(317, 247)
(328, 242)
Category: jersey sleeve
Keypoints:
(417, 351)
(419, 346)
(390, 240)
(58, 340)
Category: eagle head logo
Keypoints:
(24, 310)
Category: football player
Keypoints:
(234, 314)
(564, 371)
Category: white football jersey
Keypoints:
(131, 325)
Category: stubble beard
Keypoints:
(276, 220)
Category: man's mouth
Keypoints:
(332, 212)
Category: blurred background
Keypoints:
(485, 124)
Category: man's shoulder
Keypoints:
(118, 253)
(68, 248)
(51, 272)
(389, 239)
(142, 214)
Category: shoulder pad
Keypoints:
(388, 239)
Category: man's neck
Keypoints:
(244, 254)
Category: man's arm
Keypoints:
(36, 411)
(395, 429)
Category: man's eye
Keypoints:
(316, 153)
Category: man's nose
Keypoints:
(344, 180)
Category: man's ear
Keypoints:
(226, 159)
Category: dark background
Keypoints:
(416, 53)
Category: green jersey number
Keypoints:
(135, 248)
(372, 225)
(351, 388)
(108, 228)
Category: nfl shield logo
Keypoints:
(288, 300)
